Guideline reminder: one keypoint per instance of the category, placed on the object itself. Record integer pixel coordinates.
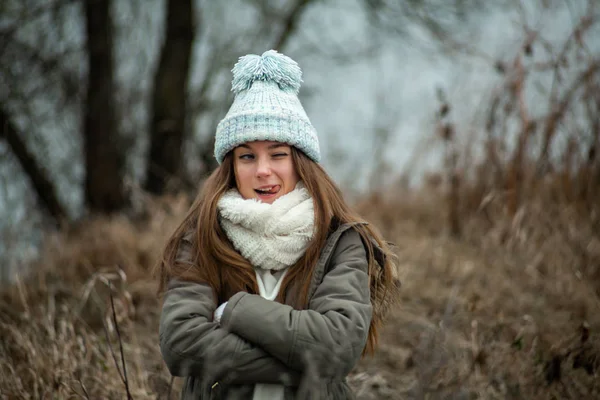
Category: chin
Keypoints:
(268, 201)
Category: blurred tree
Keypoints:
(168, 109)
(40, 182)
(103, 161)
(438, 18)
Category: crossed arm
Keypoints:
(269, 342)
(193, 345)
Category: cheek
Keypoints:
(243, 177)
(291, 174)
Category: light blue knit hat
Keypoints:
(266, 106)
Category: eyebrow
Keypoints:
(277, 145)
(271, 147)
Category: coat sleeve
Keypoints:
(331, 334)
(193, 345)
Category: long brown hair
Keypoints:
(216, 263)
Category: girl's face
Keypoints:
(264, 170)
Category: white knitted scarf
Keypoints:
(270, 236)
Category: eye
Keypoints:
(280, 155)
(246, 156)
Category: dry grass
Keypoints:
(510, 310)
(501, 254)
(59, 336)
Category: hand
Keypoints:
(219, 312)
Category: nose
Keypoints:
(263, 168)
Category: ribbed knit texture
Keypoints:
(270, 236)
(266, 107)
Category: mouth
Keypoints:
(267, 192)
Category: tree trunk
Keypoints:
(167, 123)
(103, 160)
(39, 180)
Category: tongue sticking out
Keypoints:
(271, 190)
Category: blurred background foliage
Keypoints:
(106, 102)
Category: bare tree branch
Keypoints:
(32, 14)
(41, 183)
(50, 66)
(290, 24)
(561, 106)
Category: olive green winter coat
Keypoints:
(310, 351)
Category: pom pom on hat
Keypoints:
(270, 66)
